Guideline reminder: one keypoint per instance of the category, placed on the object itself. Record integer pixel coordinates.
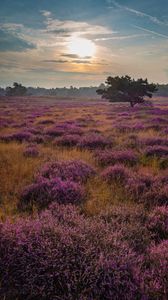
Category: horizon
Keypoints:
(48, 44)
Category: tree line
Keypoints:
(115, 89)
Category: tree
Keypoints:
(17, 90)
(126, 89)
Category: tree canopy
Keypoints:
(126, 89)
(17, 90)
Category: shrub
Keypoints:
(93, 141)
(108, 157)
(46, 191)
(158, 222)
(158, 151)
(54, 132)
(138, 185)
(62, 255)
(154, 141)
(130, 221)
(19, 137)
(68, 140)
(31, 151)
(46, 122)
(154, 273)
(37, 139)
(74, 170)
(157, 196)
(116, 173)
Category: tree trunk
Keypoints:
(132, 104)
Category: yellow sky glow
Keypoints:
(81, 47)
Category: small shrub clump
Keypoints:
(117, 173)
(108, 157)
(69, 140)
(154, 273)
(158, 151)
(74, 170)
(31, 151)
(156, 196)
(158, 222)
(46, 191)
(19, 137)
(93, 141)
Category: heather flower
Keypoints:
(38, 139)
(54, 132)
(68, 140)
(46, 122)
(93, 141)
(157, 196)
(19, 137)
(154, 141)
(31, 151)
(111, 157)
(117, 173)
(46, 191)
(63, 255)
(158, 151)
(74, 170)
(137, 185)
(154, 273)
(158, 222)
(159, 120)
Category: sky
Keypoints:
(57, 43)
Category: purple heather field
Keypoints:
(83, 200)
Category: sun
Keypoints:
(81, 47)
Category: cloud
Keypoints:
(12, 42)
(45, 13)
(73, 27)
(137, 13)
(59, 61)
(77, 61)
(124, 37)
(151, 32)
(74, 56)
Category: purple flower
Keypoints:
(158, 222)
(31, 151)
(74, 170)
(111, 157)
(93, 141)
(117, 173)
(63, 255)
(46, 191)
(19, 137)
(68, 140)
(158, 151)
